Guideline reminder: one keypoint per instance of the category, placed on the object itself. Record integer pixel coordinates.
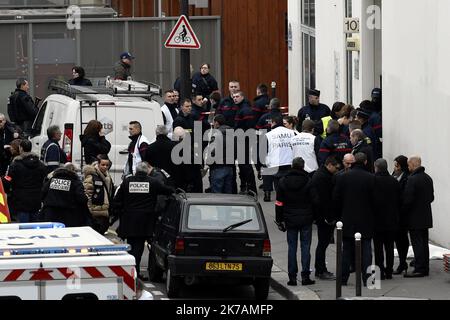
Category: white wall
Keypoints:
(330, 51)
(295, 77)
(416, 93)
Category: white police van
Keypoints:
(115, 105)
(45, 261)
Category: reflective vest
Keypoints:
(279, 151)
(325, 121)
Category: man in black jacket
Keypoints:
(325, 213)
(135, 201)
(417, 199)
(359, 142)
(22, 110)
(354, 197)
(159, 154)
(387, 210)
(294, 213)
(26, 178)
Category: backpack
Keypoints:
(12, 107)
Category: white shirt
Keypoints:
(303, 146)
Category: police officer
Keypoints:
(315, 111)
(135, 202)
(51, 153)
(64, 199)
(22, 110)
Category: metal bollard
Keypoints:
(358, 264)
(339, 226)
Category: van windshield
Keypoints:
(207, 217)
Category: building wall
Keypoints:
(254, 48)
(416, 93)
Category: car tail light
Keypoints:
(179, 246)
(267, 249)
(68, 141)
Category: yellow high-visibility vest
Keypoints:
(325, 121)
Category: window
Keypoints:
(206, 217)
(37, 126)
(309, 46)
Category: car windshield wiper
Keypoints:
(236, 225)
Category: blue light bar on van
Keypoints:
(30, 226)
(44, 225)
(65, 250)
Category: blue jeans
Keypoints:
(222, 180)
(305, 245)
(26, 217)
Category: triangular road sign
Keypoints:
(182, 36)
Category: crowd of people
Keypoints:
(325, 165)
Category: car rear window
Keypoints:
(207, 217)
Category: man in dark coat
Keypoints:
(26, 177)
(417, 199)
(203, 82)
(159, 154)
(64, 199)
(401, 173)
(21, 109)
(322, 185)
(314, 111)
(135, 201)
(387, 210)
(294, 213)
(51, 153)
(353, 196)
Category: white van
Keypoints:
(72, 107)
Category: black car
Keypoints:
(205, 236)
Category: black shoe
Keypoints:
(388, 276)
(261, 187)
(267, 195)
(415, 275)
(412, 263)
(307, 282)
(292, 283)
(325, 276)
(401, 269)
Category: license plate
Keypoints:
(221, 266)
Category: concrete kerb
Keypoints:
(279, 280)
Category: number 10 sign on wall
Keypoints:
(182, 36)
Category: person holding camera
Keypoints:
(294, 214)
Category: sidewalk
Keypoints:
(435, 287)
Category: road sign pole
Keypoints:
(185, 60)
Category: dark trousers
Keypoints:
(272, 176)
(419, 241)
(194, 178)
(137, 249)
(349, 250)
(324, 234)
(384, 243)
(402, 244)
(247, 177)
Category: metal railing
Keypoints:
(27, 4)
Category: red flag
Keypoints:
(4, 211)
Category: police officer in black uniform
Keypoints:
(64, 199)
(135, 202)
(314, 111)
